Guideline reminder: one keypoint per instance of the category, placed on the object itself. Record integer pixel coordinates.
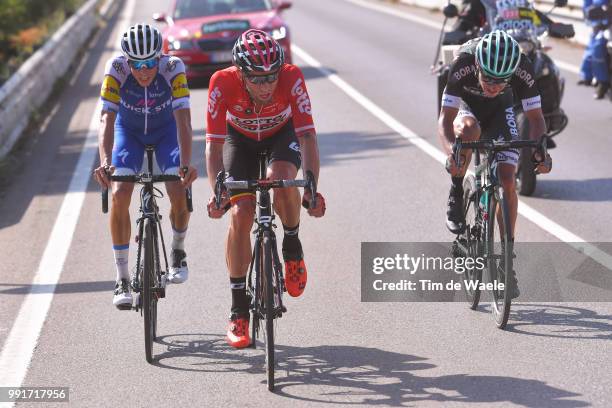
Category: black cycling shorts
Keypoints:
(240, 154)
(497, 122)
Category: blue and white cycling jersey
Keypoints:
(145, 115)
(150, 108)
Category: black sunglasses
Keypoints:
(492, 81)
(261, 79)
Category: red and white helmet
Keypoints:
(257, 51)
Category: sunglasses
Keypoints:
(493, 81)
(148, 64)
(261, 79)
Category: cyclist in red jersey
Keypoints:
(260, 104)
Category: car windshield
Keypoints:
(202, 8)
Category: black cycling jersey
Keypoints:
(463, 82)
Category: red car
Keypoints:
(202, 32)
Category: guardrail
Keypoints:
(29, 87)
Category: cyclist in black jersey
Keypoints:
(478, 102)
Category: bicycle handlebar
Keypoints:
(143, 179)
(221, 186)
(497, 145)
(263, 184)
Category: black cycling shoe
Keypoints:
(455, 221)
(602, 89)
(500, 270)
(515, 289)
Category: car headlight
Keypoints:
(180, 45)
(527, 46)
(279, 33)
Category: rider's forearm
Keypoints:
(214, 161)
(310, 153)
(106, 135)
(537, 127)
(185, 135)
(446, 133)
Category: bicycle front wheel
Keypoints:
(499, 253)
(469, 244)
(269, 303)
(149, 299)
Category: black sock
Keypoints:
(240, 301)
(291, 231)
(291, 241)
(457, 183)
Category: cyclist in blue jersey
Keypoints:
(145, 101)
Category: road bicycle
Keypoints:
(149, 281)
(265, 282)
(487, 231)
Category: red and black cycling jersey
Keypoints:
(230, 103)
(463, 82)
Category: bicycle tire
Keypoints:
(269, 307)
(472, 239)
(257, 305)
(501, 299)
(149, 302)
(525, 174)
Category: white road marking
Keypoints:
(394, 12)
(433, 24)
(568, 67)
(22, 340)
(524, 209)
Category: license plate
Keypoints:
(221, 56)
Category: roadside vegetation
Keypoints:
(24, 27)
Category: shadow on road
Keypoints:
(599, 189)
(60, 288)
(339, 147)
(560, 322)
(354, 375)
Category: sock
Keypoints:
(291, 241)
(457, 183)
(178, 239)
(121, 261)
(240, 301)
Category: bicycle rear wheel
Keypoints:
(149, 299)
(499, 253)
(470, 244)
(268, 292)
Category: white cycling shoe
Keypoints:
(178, 270)
(122, 298)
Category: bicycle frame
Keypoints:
(264, 220)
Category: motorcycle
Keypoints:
(548, 78)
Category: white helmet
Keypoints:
(141, 42)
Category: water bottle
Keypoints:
(484, 200)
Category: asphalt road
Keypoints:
(379, 186)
